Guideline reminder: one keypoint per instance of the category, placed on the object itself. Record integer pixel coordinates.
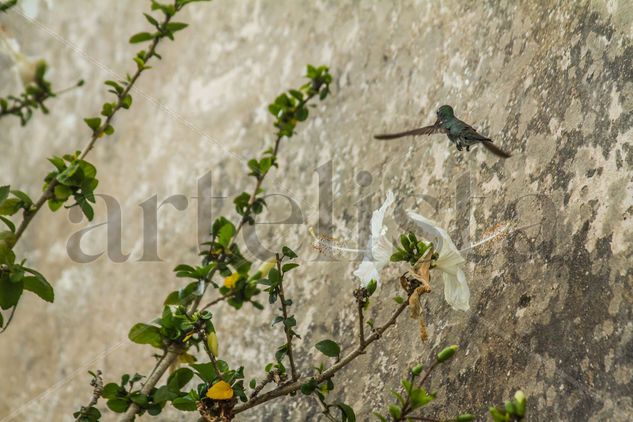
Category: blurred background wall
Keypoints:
(550, 81)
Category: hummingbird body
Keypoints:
(458, 132)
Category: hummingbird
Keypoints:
(459, 133)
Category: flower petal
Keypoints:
(456, 291)
(381, 252)
(450, 258)
(221, 390)
(367, 271)
(378, 216)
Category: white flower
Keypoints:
(23, 65)
(379, 248)
(450, 261)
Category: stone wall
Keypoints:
(550, 81)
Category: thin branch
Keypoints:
(48, 193)
(205, 343)
(328, 373)
(287, 330)
(273, 375)
(217, 300)
(172, 356)
(97, 383)
(326, 410)
(428, 372)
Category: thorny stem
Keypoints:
(328, 373)
(271, 376)
(48, 193)
(171, 356)
(97, 383)
(287, 330)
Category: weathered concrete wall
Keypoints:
(552, 82)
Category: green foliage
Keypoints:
(120, 396)
(412, 249)
(8, 4)
(175, 325)
(209, 375)
(291, 108)
(329, 348)
(513, 410)
(72, 177)
(33, 97)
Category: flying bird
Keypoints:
(459, 133)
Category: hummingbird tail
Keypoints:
(495, 149)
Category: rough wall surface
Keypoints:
(550, 81)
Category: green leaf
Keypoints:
(419, 398)
(9, 223)
(288, 267)
(151, 19)
(446, 354)
(288, 252)
(466, 417)
(62, 192)
(395, 411)
(146, 334)
(87, 209)
(111, 391)
(109, 130)
(10, 292)
(4, 192)
(347, 411)
(40, 287)
(93, 123)
(371, 287)
(399, 300)
(205, 371)
(118, 405)
(10, 206)
(140, 37)
(328, 348)
(179, 379)
(186, 403)
(176, 26)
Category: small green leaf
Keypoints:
(179, 379)
(288, 252)
(40, 287)
(93, 123)
(399, 300)
(328, 348)
(176, 26)
(146, 334)
(347, 411)
(371, 287)
(4, 192)
(289, 266)
(118, 405)
(395, 411)
(140, 37)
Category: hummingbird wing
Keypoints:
(426, 130)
